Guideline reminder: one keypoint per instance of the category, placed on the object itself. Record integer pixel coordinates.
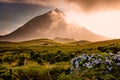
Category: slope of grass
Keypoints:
(63, 40)
(82, 42)
(40, 42)
(45, 59)
(37, 42)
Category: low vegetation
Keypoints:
(47, 60)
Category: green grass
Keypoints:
(37, 42)
(55, 56)
(82, 42)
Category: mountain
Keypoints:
(50, 25)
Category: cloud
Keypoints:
(16, 14)
(50, 3)
(37, 2)
(96, 5)
(82, 5)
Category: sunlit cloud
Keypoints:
(84, 5)
(96, 5)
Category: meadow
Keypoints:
(45, 59)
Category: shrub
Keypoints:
(9, 59)
(40, 61)
(21, 60)
(0, 61)
(64, 77)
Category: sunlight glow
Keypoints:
(106, 23)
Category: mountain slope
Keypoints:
(50, 25)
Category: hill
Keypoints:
(36, 42)
(63, 40)
(82, 42)
(103, 43)
(50, 42)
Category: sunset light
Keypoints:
(105, 23)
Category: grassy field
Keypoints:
(45, 59)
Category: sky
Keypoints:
(99, 16)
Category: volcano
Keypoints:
(50, 25)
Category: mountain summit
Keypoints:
(55, 12)
(50, 25)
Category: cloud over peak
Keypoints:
(95, 5)
(83, 5)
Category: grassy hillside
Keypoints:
(48, 42)
(37, 42)
(63, 40)
(44, 59)
(82, 42)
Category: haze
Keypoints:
(99, 16)
(105, 23)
